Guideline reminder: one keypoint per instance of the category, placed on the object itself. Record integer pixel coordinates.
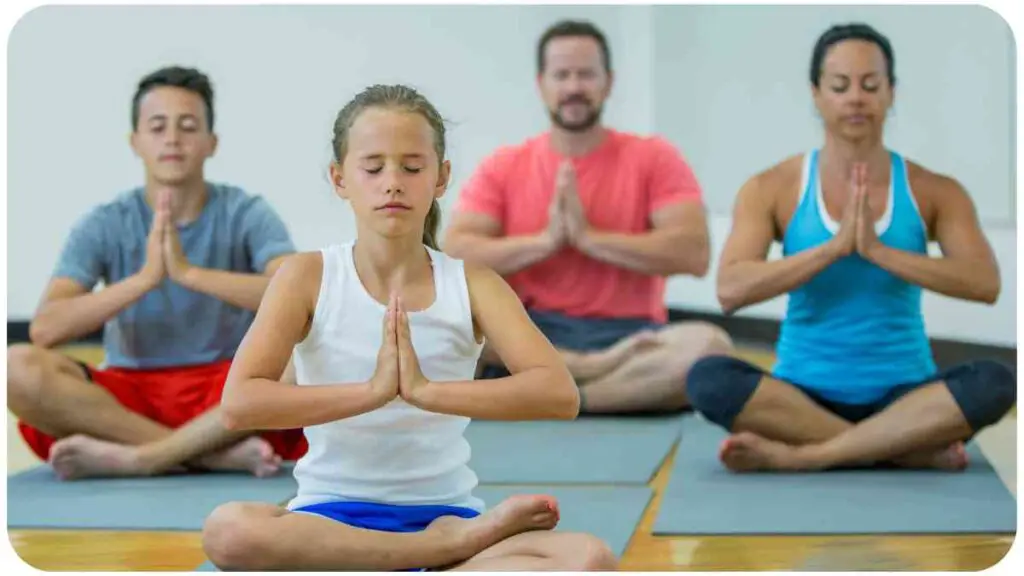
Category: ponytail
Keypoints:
(431, 225)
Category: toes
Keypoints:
(724, 448)
(551, 503)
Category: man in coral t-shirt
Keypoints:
(585, 223)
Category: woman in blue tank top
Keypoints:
(855, 382)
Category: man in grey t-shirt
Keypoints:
(184, 263)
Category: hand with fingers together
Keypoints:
(573, 215)
(175, 262)
(384, 383)
(845, 240)
(866, 236)
(556, 235)
(154, 270)
(411, 382)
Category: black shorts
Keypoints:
(720, 386)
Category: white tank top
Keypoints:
(398, 454)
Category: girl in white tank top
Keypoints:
(384, 334)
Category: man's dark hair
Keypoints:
(187, 78)
(854, 31)
(569, 29)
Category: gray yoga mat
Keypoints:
(704, 498)
(589, 450)
(612, 513)
(37, 499)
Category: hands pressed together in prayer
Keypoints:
(857, 227)
(398, 371)
(164, 256)
(567, 221)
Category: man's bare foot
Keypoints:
(522, 513)
(748, 452)
(952, 458)
(594, 364)
(82, 456)
(254, 454)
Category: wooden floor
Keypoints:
(176, 551)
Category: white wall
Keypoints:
(282, 73)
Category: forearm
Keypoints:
(262, 404)
(235, 288)
(655, 253)
(743, 284)
(956, 278)
(505, 255)
(535, 394)
(66, 319)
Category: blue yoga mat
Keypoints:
(37, 499)
(612, 513)
(589, 450)
(704, 498)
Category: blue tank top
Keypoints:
(855, 330)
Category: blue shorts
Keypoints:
(581, 334)
(386, 517)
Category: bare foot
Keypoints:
(952, 458)
(748, 452)
(594, 364)
(522, 513)
(254, 454)
(82, 456)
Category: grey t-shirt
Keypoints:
(172, 326)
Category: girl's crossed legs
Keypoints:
(515, 535)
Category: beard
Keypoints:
(591, 119)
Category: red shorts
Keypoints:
(172, 397)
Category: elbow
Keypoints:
(234, 415)
(231, 421)
(566, 405)
(231, 418)
(570, 404)
(701, 266)
(696, 263)
(729, 298)
(989, 293)
(43, 334)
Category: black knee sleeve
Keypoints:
(984, 389)
(719, 387)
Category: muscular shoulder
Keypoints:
(934, 191)
(931, 183)
(772, 184)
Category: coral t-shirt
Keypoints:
(620, 184)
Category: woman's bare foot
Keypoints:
(82, 456)
(953, 458)
(748, 452)
(254, 454)
(523, 513)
